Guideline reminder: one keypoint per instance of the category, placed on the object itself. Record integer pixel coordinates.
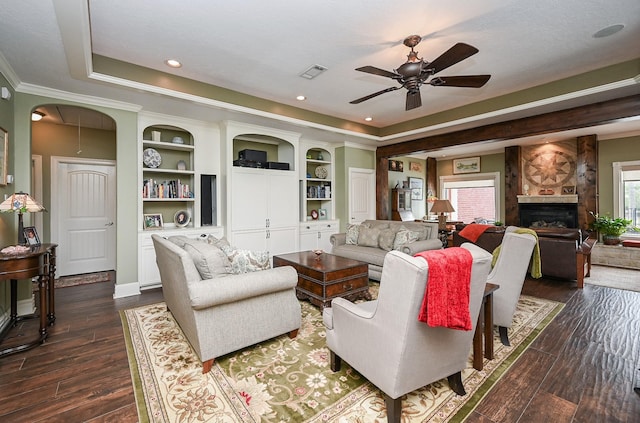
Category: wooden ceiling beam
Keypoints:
(563, 120)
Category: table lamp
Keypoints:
(21, 202)
(442, 207)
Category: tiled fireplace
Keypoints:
(548, 211)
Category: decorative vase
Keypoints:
(610, 239)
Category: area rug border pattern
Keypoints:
(461, 408)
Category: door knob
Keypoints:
(108, 224)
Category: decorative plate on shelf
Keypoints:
(182, 218)
(321, 172)
(151, 158)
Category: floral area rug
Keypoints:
(289, 380)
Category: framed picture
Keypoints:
(415, 167)
(416, 185)
(152, 221)
(31, 235)
(468, 165)
(570, 189)
(4, 152)
(396, 165)
(322, 214)
(182, 218)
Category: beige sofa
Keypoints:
(224, 312)
(378, 237)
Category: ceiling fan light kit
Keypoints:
(416, 71)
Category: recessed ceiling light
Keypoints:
(173, 63)
(301, 98)
(368, 118)
(610, 30)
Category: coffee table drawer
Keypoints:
(332, 289)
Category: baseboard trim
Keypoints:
(126, 290)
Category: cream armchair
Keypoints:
(510, 271)
(385, 342)
(225, 312)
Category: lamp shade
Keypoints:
(20, 202)
(442, 206)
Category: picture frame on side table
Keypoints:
(466, 165)
(416, 186)
(31, 235)
(182, 218)
(152, 221)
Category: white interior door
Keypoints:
(362, 195)
(83, 215)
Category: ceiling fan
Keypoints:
(415, 72)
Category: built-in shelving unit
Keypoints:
(316, 187)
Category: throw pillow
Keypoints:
(179, 240)
(404, 236)
(386, 238)
(244, 261)
(352, 234)
(210, 260)
(368, 237)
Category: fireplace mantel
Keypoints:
(552, 199)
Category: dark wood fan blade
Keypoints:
(377, 71)
(367, 97)
(470, 81)
(455, 54)
(413, 100)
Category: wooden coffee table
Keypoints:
(325, 277)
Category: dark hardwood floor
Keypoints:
(580, 369)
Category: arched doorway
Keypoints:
(76, 147)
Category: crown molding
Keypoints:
(77, 98)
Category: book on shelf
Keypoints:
(166, 189)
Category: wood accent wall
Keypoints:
(562, 120)
(512, 184)
(432, 177)
(587, 179)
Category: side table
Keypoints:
(484, 325)
(39, 261)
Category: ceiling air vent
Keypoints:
(313, 71)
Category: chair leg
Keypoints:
(336, 362)
(394, 408)
(455, 383)
(293, 333)
(504, 336)
(207, 365)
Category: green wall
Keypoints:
(8, 221)
(348, 157)
(609, 151)
(418, 207)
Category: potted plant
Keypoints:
(610, 228)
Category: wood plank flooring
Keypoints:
(580, 369)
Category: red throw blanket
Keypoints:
(473, 231)
(446, 300)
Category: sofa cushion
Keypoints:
(352, 234)
(386, 238)
(368, 237)
(371, 255)
(244, 261)
(404, 236)
(210, 260)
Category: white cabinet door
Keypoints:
(282, 240)
(308, 237)
(282, 197)
(249, 199)
(251, 240)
